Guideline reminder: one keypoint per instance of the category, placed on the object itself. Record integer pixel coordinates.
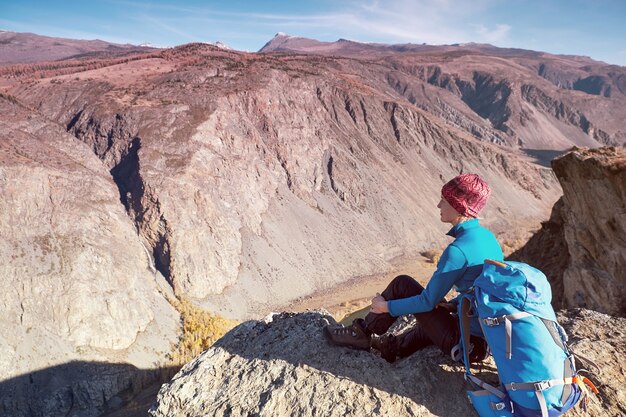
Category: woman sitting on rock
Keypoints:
(461, 262)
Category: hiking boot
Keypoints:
(386, 345)
(353, 336)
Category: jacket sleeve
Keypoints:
(450, 268)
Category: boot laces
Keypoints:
(346, 331)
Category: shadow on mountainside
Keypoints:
(544, 157)
(79, 388)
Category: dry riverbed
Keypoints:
(357, 293)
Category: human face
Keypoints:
(447, 213)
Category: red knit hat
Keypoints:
(467, 194)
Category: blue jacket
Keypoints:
(460, 263)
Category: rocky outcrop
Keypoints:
(582, 248)
(562, 111)
(283, 366)
(606, 83)
(79, 290)
(594, 217)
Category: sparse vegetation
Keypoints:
(69, 66)
(432, 256)
(200, 330)
(9, 97)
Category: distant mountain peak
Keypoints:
(278, 42)
(222, 45)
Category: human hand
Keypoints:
(449, 307)
(379, 305)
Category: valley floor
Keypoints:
(357, 293)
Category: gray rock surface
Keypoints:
(283, 366)
(581, 248)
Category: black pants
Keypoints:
(436, 327)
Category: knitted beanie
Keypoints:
(467, 194)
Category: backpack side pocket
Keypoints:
(487, 404)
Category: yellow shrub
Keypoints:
(200, 330)
(432, 255)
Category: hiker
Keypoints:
(462, 199)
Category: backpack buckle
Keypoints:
(543, 385)
(497, 406)
(492, 321)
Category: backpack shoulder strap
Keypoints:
(465, 308)
(465, 305)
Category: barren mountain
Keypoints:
(255, 180)
(28, 47)
(531, 99)
(247, 181)
(83, 311)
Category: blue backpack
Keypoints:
(537, 373)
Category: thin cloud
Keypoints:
(392, 21)
(167, 27)
(498, 34)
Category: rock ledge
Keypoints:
(282, 366)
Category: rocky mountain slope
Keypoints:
(255, 180)
(242, 182)
(78, 285)
(530, 99)
(582, 246)
(283, 366)
(18, 48)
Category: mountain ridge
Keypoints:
(26, 47)
(283, 42)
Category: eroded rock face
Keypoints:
(77, 283)
(525, 95)
(581, 248)
(256, 180)
(594, 218)
(283, 366)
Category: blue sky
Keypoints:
(595, 28)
